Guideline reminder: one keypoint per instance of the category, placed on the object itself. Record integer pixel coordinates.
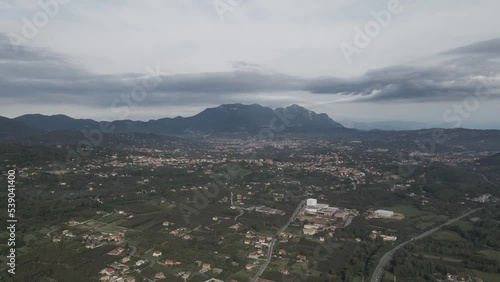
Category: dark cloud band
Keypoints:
(38, 75)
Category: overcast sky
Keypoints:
(425, 61)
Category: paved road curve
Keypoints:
(241, 213)
(273, 241)
(377, 274)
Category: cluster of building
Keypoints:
(268, 210)
(485, 198)
(324, 210)
(424, 200)
(259, 243)
(93, 241)
(376, 234)
(311, 229)
(116, 273)
(458, 278)
(179, 231)
(65, 233)
(116, 252)
(323, 217)
(312, 207)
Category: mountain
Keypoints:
(250, 118)
(239, 119)
(300, 116)
(10, 128)
(227, 118)
(493, 161)
(56, 122)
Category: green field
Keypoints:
(446, 235)
(112, 218)
(429, 221)
(408, 211)
(464, 225)
(491, 254)
(487, 277)
(388, 276)
(102, 227)
(279, 264)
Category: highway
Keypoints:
(273, 241)
(379, 270)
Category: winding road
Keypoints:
(484, 177)
(379, 270)
(273, 241)
(241, 213)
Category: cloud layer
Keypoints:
(40, 76)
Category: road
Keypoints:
(48, 234)
(484, 177)
(241, 213)
(273, 241)
(377, 274)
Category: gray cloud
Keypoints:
(487, 47)
(450, 76)
(34, 75)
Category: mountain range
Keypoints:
(227, 118)
(235, 120)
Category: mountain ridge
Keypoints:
(224, 118)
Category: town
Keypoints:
(186, 214)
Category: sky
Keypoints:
(432, 62)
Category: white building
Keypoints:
(388, 238)
(312, 202)
(312, 209)
(310, 231)
(384, 213)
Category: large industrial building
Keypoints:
(311, 205)
(329, 211)
(321, 209)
